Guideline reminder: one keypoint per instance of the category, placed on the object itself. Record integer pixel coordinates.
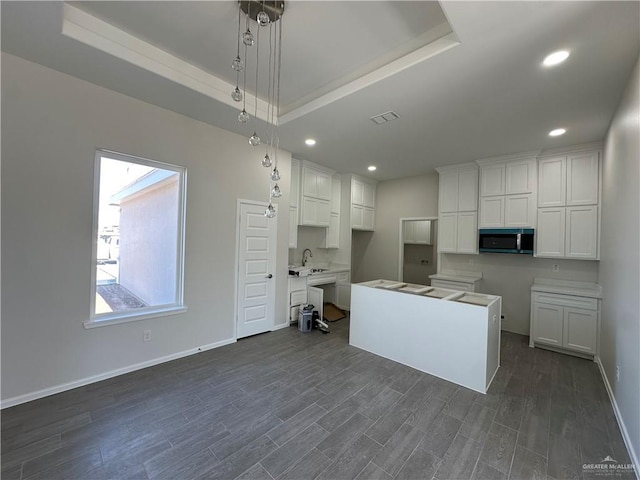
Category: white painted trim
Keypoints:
(417, 56)
(584, 147)
(107, 38)
(533, 154)
(134, 317)
(456, 167)
(616, 411)
(10, 402)
(280, 327)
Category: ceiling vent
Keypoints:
(384, 117)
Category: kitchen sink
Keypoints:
(319, 270)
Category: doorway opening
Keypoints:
(417, 257)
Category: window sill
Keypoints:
(133, 317)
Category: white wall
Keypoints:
(375, 254)
(511, 277)
(51, 126)
(620, 261)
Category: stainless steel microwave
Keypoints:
(506, 240)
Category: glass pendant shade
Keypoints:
(243, 116)
(270, 212)
(247, 38)
(254, 140)
(237, 64)
(266, 161)
(236, 94)
(275, 175)
(275, 191)
(263, 18)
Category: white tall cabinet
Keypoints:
(315, 200)
(294, 189)
(508, 188)
(458, 209)
(363, 203)
(568, 205)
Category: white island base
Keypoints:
(451, 334)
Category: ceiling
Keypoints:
(465, 78)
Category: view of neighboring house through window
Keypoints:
(139, 221)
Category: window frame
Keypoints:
(178, 307)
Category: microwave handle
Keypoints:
(519, 241)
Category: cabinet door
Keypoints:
(422, 230)
(323, 214)
(409, 231)
(519, 211)
(309, 182)
(467, 232)
(491, 212)
(552, 179)
(547, 324)
(468, 190)
(448, 192)
(369, 195)
(357, 215)
(581, 240)
(580, 330)
(447, 232)
(315, 212)
(325, 183)
(582, 179)
(333, 232)
(368, 219)
(520, 177)
(315, 297)
(293, 227)
(336, 192)
(357, 192)
(492, 180)
(343, 295)
(550, 234)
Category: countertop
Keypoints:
(567, 287)
(328, 269)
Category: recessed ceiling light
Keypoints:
(372, 168)
(555, 58)
(310, 141)
(557, 132)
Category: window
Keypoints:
(138, 239)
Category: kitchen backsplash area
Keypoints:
(511, 276)
(311, 237)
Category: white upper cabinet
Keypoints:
(468, 190)
(581, 234)
(316, 195)
(582, 179)
(448, 192)
(417, 232)
(467, 234)
(552, 176)
(550, 235)
(336, 190)
(316, 183)
(508, 192)
(447, 232)
(492, 180)
(363, 202)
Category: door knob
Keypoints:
(269, 276)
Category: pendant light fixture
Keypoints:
(265, 14)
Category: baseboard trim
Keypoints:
(280, 327)
(616, 411)
(28, 397)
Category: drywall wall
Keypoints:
(511, 276)
(419, 263)
(620, 261)
(51, 126)
(375, 254)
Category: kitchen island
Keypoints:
(454, 335)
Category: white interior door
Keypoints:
(256, 270)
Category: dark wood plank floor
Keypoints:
(286, 405)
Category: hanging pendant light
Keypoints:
(265, 14)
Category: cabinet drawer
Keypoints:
(342, 277)
(466, 287)
(298, 297)
(297, 283)
(566, 300)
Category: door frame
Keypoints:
(272, 307)
(401, 244)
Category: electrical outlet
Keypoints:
(617, 374)
(146, 336)
(424, 262)
(556, 267)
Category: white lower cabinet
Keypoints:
(458, 232)
(567, 322)
(315, 297)
(343, 291)
(568, 232)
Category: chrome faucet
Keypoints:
(305, 258)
